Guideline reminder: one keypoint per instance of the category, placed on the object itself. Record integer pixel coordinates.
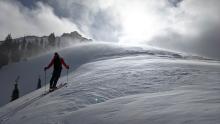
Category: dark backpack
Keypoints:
(57, 63)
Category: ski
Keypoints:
(58, 87)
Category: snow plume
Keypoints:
(184, 25)
(40, 20)
(194, 27)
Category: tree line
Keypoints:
(15, 50)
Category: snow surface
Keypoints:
(77, 55)
(30, 70)
(109, 84)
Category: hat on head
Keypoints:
(56, 54)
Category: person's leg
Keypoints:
(52, 79)
(56, 78)
(55, 82)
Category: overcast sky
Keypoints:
(187, 25)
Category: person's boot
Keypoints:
(51, 88)
(54, 87)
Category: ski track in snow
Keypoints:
(5, 117)
(127, 78)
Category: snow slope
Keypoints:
(117, 85)
(77, 55)
(30, 70)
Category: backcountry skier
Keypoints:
(57, 63)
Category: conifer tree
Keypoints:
(39, 83)
(15, 93)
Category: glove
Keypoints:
(68, 67)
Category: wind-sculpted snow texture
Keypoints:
(30, 70)
(109, 84)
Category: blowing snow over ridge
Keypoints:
(184, 25)
(158, 62)
(112, 84)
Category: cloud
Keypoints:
(41, 20)
(110, 20)
(175, 3)
(95, 18)
(183, 25)
(114, 20)
(195, 28)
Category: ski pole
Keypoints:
(45, 79)
(67, 76)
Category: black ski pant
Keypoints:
(55, 77)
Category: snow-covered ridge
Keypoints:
(77, 55)
(112, 84)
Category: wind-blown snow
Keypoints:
(110, 84)
(30, 70)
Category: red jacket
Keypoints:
(62, 62)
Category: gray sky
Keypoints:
(185, 25)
